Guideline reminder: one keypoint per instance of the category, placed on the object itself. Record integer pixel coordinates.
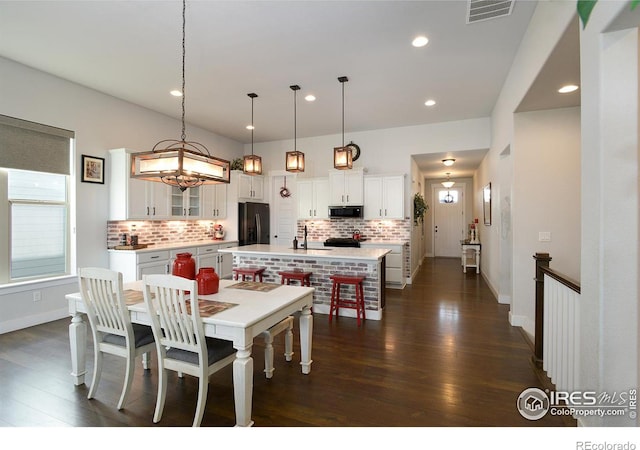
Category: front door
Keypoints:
(448, 221)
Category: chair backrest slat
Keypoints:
(167, 301)
(101, 291)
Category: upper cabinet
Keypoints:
(214, 201)
(248, 187)
(346, 187)
(185, 204)
(384, 197)
(313, 198)
(132, 199)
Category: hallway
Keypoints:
(444, 355)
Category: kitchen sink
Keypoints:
(302, 249)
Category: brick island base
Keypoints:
(322, 263)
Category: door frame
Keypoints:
(462, 185)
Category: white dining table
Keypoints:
(254, 311)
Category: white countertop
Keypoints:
(173, 246)
(316, 253)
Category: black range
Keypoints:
(341, 242)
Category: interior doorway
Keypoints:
(283, 209)
(448, 220)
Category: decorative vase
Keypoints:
(184, 266)
(208, 281)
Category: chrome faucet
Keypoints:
(304, 244)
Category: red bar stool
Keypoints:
(337, 302)
(297, 274)
(249, 271)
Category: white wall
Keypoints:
(547, 25)
(610, 197)
(101, 122)
(546, 198)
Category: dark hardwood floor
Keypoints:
(444, 355)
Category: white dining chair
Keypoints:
(111, 327)
(180, 341)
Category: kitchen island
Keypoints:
(322, 262)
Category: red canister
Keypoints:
(184, 266)
(208, 281)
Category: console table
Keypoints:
(470, 256)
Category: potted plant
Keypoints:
(419, 208)
(237, 164)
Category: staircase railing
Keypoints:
(557, 330)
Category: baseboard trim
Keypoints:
(31, 321)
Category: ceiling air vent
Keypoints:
(479, 10)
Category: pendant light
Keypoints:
(448, 184)
(180, 163)
(252, 164)
(294, 161)
(342, 156)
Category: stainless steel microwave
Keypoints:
(345, 212)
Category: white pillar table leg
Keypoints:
(306, 333)
(243, 386)
(78, 343)
(146, 360)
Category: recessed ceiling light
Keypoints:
(420, 41)
(568, 88)
(250, 127)
(176, 93)
(430, 102)
(310, 98)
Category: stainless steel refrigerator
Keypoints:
(253, 223)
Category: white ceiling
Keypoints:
(132, 50)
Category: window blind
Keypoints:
(32, 146)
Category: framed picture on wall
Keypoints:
(92, 169)
(486, 203)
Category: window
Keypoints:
(39, 212)
(448, 196)
(35, 211)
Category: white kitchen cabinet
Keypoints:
(247, 187)
(225, 268)
(394, 264)
(346, 187)
(384, 197)
(222, 262)
(185, 204)
(214, 201)
(135, 263)
(133, 199)
(313, 198)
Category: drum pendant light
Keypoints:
(342, 156)
(294, 161)
(180, 163)
(252, 163)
